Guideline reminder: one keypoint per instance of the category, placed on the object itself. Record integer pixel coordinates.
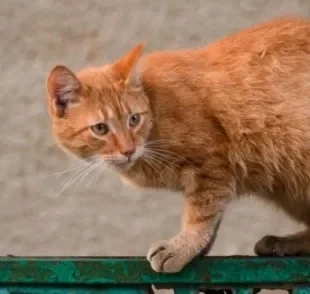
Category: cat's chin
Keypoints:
(122, 167)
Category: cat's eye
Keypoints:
(134, 119)
(100, 129)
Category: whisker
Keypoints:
(79, 165)
(160, 161)
(163, 141)
(68, 182)
(171, 153)
(101, 167)
(65, 171)
(160, 165)
(76, 176)
(84, 176)
(168, 153)
(162, 153)
(165, 158)
(148, 161)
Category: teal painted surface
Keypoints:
(186, 290)
(134, 275)
(72, 290)
(243, 291)
(302, 290)
(208, 270)
(77, 290)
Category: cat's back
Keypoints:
(256, 68)
(279, 36)
(268, 62)
(259, 52)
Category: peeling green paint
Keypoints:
(134, 275)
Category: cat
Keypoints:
(214, 123)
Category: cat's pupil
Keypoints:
(100, 129)
(134, 120)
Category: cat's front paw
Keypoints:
(165, 257)
(171, 256)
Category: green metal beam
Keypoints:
(208, 271)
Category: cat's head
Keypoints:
(101, 112)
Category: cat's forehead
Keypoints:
(115, 114)
(103, 113)
(94, 77)
(101, 81)
(110, 99)
(99, 85)
(111, 110)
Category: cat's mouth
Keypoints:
(123, 164)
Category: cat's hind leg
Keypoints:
(296, 244)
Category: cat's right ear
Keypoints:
(63, 88)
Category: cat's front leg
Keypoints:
(203, 210)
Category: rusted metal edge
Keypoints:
(212, 271)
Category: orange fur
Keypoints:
(225, 120)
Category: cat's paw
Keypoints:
(171, 256)
(272, 246)
(166, 257)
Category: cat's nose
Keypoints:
(128, 152)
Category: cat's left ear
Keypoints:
(126, 66)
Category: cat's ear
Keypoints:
(63, 88)
(126, 66)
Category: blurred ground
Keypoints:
(102, 216)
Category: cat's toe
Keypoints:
(156, 248)
(157, 255)
(271, 246)
(164, 257)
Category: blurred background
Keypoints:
(98, 215)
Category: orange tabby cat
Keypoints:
(214, 123)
